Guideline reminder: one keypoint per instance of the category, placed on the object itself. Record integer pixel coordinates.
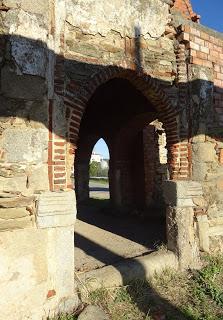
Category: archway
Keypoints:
(120, 113)
(76, 100)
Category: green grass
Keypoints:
(192, 295)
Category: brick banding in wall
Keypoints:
(57, 146)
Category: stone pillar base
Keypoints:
(182, 237)
(37, 264)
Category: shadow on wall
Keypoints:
(26, 113)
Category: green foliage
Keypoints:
(95, 170)
(206, 281)
(206, 294)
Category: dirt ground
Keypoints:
(103, 238)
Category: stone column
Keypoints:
(37, 255)
(180, 198)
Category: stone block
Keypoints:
(26, 87)
(34, 262)
(182, 236)
(56, 203)
(36, 112)
(8, 171)
(203, 230)
(13, 184)
(59, 118)
(200, 202)
(202, 73)
(11, 3)
(130, 20)
(216, 230)
(92, 312)
(56, 209)
(25, 145)
(182, 193)
(53, 221)
(30, 56)
(13, 213)
(40, 7)
(16, 202)
(216, 244)
(216, 221)
(19, 223)
(27, 24)
(204, 152)
(199, 138)
(220, 184)
(38, 178)
(199, 169)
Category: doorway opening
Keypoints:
(99, 171)
(132, 221)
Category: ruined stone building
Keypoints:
(154, 74)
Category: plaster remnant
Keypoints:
(147, 18)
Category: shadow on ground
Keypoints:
(128, 236)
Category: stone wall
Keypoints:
(91, 53)
(53, 56)
(36, 225)
(205, 75)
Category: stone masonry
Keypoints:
(148, 78)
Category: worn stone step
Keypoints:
(121, 273)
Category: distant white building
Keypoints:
(96, 157)
(104, 164)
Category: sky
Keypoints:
(101, 148)
(211, 12)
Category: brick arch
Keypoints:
(76, 101)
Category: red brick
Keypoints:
(59, 181)
(51, 293)
(59, 168)
(221, 156)
(59, 175)
(60, 151)
(59, 144)
(59, 157)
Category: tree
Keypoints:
(94, 169)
